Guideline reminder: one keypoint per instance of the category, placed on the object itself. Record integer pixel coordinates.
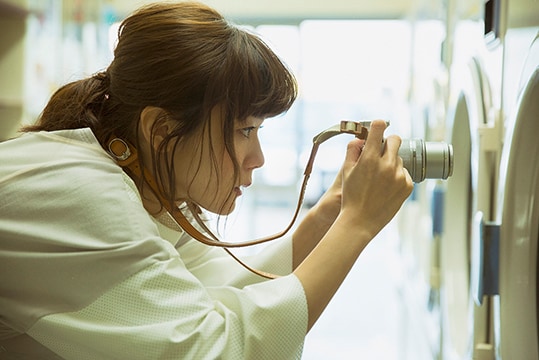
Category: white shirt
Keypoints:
(87, 273)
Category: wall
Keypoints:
(292, 11)
(12, 28)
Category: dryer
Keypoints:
(517, 315)
(506, 270)
(473, 127)
(465, 327)
(489, 241)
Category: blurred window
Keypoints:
(347, 69)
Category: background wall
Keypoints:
(300, 9)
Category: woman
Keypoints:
(93, 264)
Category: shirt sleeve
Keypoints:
(213, 266)
(164, 312)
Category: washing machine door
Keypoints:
(455, 243)
(469, 190)
(519, 233)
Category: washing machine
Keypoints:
(465, 325)
(517, 222)
(517, 313)
(474, 128)
(503, 249)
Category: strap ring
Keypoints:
(117, 153)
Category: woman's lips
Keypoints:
(238, 189)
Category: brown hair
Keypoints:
(186, 59)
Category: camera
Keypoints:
(427, 160)
(422, 159)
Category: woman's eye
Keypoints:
(247, 131)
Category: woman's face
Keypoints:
(204, 169)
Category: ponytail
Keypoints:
(84, 103)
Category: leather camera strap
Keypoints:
(126, 156)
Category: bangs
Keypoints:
(256, 82)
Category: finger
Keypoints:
(409, 180)
(354, 149)
(376, 136)
(392, 145)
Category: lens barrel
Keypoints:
(427, 160)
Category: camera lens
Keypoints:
(427, 160)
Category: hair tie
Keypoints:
(103, 77)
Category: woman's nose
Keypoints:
(256, 157)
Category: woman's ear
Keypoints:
(153, 124)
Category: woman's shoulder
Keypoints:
(69, 189)
(43, 149)
(66, 170)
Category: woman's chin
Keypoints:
(228, 210)
(225, 210)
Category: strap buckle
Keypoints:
(119, 149)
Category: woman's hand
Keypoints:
(379, 178)
(319, 219)
(374, 181)
(372, 187)
(364, 180)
